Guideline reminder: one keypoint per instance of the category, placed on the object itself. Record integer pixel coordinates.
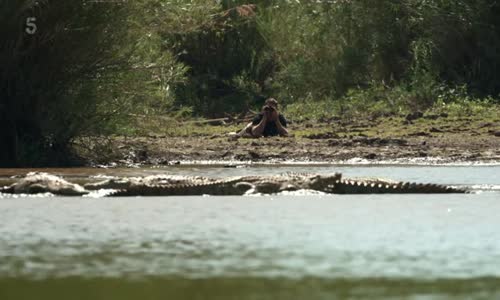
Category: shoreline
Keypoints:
(438, 162)
(137, 168)
(389, 141)
(147, 152)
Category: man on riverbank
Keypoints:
(269, 122)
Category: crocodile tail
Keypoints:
(432, 189)
(372, 187)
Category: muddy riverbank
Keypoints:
(433, 139)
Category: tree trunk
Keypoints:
(9, 144)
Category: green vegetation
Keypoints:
(81, 71)
(92, 68)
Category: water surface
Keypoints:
(273, 247)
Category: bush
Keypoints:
(87, 66)
(228, 60)
(91, 65)
(325, 50)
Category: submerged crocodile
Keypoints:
(37, 183)
(168, 185)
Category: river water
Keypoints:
(288, 246)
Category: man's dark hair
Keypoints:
(272, 102)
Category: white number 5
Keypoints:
(31, 26)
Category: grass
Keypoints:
(164, 126)
(180, 136)
(310, 118)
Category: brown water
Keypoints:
(289, 246)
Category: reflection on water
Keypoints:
(249, 288)
(278, 247)
(329, 244)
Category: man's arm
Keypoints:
(247, 131)
(281, 129)
(258, 129)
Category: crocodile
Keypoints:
(179, 185)
(159, 185)
(169, 185)
(36, 183)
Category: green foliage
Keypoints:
(458, 103)
(376, 101)
(227, 59)
(88, 66)
(92, 65)
(325, 50)
(457, 41)
(310, 110)
(382, 101)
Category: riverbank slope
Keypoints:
(417, 139)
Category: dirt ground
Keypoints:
(430, 139)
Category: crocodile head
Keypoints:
(39, 182)
(324, 183)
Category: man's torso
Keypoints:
(271, 128)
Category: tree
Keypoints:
(72, 68)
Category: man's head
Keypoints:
(271, 105)
(271, 102)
